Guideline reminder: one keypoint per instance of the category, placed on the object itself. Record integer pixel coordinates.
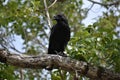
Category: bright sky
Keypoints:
(94, 13)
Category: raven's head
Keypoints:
(60, 18)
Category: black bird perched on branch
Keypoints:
(60, 35)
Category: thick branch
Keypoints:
(64, 63)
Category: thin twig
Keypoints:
(52, 4)
(21, 74)
(89, 9)
(102, 4)
(15, 49)
(39, 42)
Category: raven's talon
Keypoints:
(61, 54)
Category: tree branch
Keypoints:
(106, 5)
(64, 63)
(47, 14)
(52, 4)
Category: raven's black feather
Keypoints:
(60, 35)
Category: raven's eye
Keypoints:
(59, 16)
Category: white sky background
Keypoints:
(93, 15)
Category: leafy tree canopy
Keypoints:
(97, 43)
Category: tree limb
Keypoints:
(106, 5)
(64, 63)
(47, 14)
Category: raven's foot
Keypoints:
(62, 54)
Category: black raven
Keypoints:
(60, 35)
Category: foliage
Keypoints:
(98, 43)
(7, 72)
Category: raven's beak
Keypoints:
(55, 18)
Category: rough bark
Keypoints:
(56, 61)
